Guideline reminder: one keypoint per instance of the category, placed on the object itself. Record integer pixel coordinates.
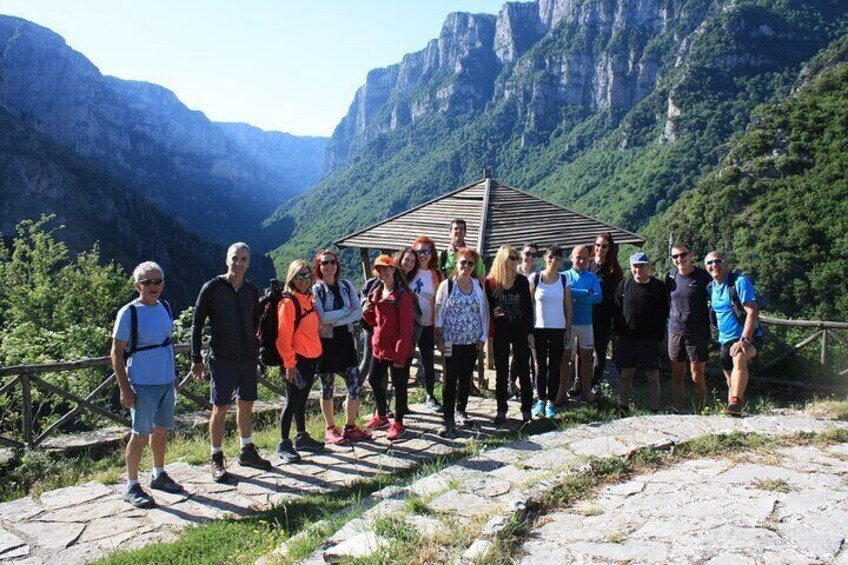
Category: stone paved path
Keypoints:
(488, 490)
(788, 507)
(82, 523)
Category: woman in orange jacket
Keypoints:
(299, 345)
(390, 311)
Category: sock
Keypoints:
(131, 483)
(217, 450)
(158, 471)
(246, 441)
(349, 426)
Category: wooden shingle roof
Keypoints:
(496, 214)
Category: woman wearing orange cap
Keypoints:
(390, 311)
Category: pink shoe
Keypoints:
(334, 436)
(395, 431)
(356, 434)
(377, 423)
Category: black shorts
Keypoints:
(727, 360)
(692, 348)
(642, 353)
(229, 378)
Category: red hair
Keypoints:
(466, 252)
(434, 253)
(316, 265)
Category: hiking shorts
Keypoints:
(231, 378)
(353, 377)
(727, 360)
(642, 353)
(692, 348)
(582, 336)
(154, 406)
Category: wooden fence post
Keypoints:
(26, 412)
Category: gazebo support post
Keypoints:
(366, 263)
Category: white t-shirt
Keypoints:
(548, 304)
(423, 285)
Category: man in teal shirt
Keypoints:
(585, 292)
(447, 258)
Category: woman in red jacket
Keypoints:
(299, 345)
(390, 312)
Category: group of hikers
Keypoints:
(546, 322)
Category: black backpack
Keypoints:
(735, 301)
(133, 343)
(534, 279)
(269, 322)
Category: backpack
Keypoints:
(735, 301)
(269, 322)
(417, 327)
(534, 279)
(322, 291)
(133, 343)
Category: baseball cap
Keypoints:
(639, 258)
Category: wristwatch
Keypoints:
(744, 339)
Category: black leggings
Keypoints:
(296, 398)
(459, 368)
(601, 329)
(427, 346)
(517, 340)
(400, 381)
(550, 345)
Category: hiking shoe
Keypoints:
(623, 410)
(166, 483)
(574, 392)
(334, 436)
(433, 405)
(734, 407)
(462, 419)
(136, 496)
(305, 442)
(396, 431)
(447, 430)
(526, 416)
(550, 410)
(539, 408)
(356, 434)
(219, 472)
(287, 452)
(249, 457)
(377, 423)
(500, 419)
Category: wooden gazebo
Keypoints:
(496, 214)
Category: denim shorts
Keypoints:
(154, 406)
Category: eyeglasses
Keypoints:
(532, 254)
(714, 262)
(423, 251)
(513, 258)
(602, 245)
(679, 255)
(465, 263)
(150, 282)
(328, 262)
(303, 276)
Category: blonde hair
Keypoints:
(294, 268)
(500, 266)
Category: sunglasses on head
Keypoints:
(679, 255)
(423, 251)
(303, 276)
(150, 282)
(714, 262)
(466, 263)
(328, 262)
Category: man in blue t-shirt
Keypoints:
(585, 293)
(738, 331)
(143, 360)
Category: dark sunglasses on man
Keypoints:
(150, 282)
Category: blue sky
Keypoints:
(279, 65)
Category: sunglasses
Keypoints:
(328, 262)
(532, 254)
(554, 257)
(714, 262)
(602, 245)
(150, 282)
(679, 255)
(465, 263)
(423, 251)
(513, 258)
(303, 276)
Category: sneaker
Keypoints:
(396, 431)
(219, 471)
(447, 430)
(377, 423)
(166, 483)
(550, 410)
(574, 392)
(356, 434)
(462, 419)
(734, 407)
(500, 419)
(305, 442)
(334, 436)
(526, 416)
(136, 496)
(287, 452)
(249, 457)
(539, 408)
(623, 410)
(433, 405)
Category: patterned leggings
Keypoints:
(353, 378)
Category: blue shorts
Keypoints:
(154, 406)
(232, 378)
